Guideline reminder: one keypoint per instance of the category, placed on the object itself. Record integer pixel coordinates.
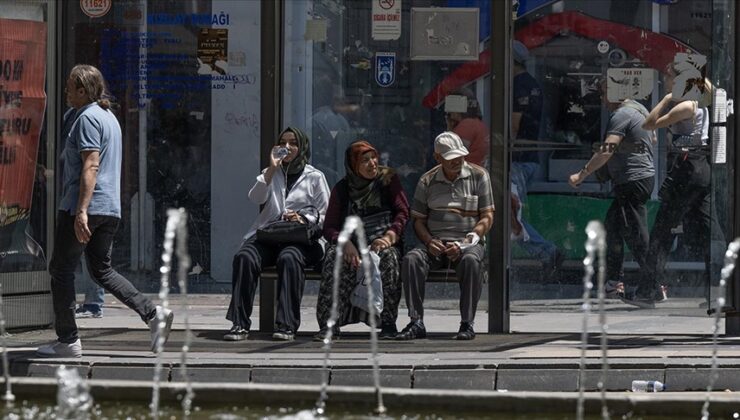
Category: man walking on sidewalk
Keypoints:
(89, 212)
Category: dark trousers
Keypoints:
(66, 256)
(626, 222)
(685, 193)
(415, 268)
(290, 260)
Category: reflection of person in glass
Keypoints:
(373, 193)
(627, 152)
(686, 191)
(285, 188)
(330, 129)
(526, 119)
(453, 211)
(89, 213)
(470, 127)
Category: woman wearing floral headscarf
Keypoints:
(285, 188)
(373, 193)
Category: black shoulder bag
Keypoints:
(284, 232)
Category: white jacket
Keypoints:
(310, 189)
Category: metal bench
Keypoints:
(268, 290)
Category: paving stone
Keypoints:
(133, 373)
(49, 370)
(213, 374)
(397, 378)
(305, 376)
(546, 363)
(537, 379)
(483, 379)
(697, 379)
(701, 362)
(621, 379)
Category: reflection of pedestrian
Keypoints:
(89, 213)
(330, 130)
(628, 153)
(526, 116)
(686, 190)
(471, 129)
(92, 307)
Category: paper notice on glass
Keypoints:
(719, 145)
(213, 51)
(386, 20)
(688, 85)
(444, 33)
(630, 83)
(315, 30)
(719, 110)
(456, 103)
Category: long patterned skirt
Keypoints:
(390, 275)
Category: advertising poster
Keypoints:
(22, 104)
(213, 51)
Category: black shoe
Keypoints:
(639, 301)
(465, 332)
(388, 331)
(414, 330)
(321, 335)
(284, 335)
(236, 333)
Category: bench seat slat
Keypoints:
(435, 276)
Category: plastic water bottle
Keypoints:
(647, 386)
(282, 152)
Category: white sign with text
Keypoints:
(629, 83)
(386, 20)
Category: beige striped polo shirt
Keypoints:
(452, 208)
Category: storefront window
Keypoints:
(184, 76)
(23, 159)
(575, 63)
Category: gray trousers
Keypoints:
(415, 268)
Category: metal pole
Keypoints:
(498, 250)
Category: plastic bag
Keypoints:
(359, 297)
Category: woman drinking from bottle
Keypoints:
(287, 190)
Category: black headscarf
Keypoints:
(365, 194)
(297, 165)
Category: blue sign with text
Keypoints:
(385, 68)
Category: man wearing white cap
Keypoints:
(453, 211)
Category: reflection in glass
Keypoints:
(575, 47)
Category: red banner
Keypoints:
(22, 105)
(655, 49)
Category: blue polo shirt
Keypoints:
(94, 128)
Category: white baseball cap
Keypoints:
(449, 145)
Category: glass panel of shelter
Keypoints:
(335, 89)
(184, 77)
(576, 51)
